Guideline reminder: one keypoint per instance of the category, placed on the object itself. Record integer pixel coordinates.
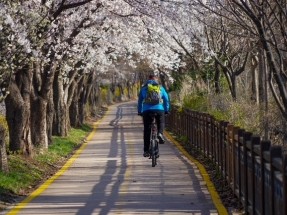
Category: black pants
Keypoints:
(147, 121)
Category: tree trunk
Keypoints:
(3, 154)
(121, 96)
(231, 80)
(233, 87)
(81, 107)
(85, 90)
(74, 108)
(254, 79)
(130, 89)
(50, 116)
(18, 112)
(84, 98)
(39, 122)
(93, 99)
(63, 97)
(40, 94)
(216, 78)
(266, 130)
(60, 127)
(162, 80)
(73, 98)
(261, 77)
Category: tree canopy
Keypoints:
(53, 51)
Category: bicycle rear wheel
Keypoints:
(153, 153)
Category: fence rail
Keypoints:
(255, 170)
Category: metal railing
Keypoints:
(255, 170)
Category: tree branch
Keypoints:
(69, 6)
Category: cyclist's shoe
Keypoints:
(160, 138)
(146, 154)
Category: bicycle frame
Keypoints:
(153, 128)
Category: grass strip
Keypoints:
(25, 173)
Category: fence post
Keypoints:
(171, 118)
(204, 129)
(264, 147)
(193, 127)
(257, 178)
(246, 138)
(212, 139)
(195, 133)
(189, 126)
(224, 146)
(178, 123)
(255, 140)
(228, 153)
(184, 122)
(202, 125)
(201, 133)
(184, 119)
(233, 154)
(284, 163)
(239, 163)
(219, 146)
(275, 152)
(207, 134)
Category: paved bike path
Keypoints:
(109, 175)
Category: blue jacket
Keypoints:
(161, 106)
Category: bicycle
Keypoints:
(153, 147)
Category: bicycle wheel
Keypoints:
(156, 152)
(156, 149)
(153, 153)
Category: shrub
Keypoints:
(196, 102)
(3, 123)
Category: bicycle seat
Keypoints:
(152, 114)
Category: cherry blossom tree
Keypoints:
(52, 49)
(16, 62)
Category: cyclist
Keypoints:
(161, 109)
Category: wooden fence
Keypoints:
(254, 169)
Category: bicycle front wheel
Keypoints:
(153, 153)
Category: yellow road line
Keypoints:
(40, 189)
(214, 195)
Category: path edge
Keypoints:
(16, 208)
(214, 195)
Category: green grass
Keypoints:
(26, 172)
